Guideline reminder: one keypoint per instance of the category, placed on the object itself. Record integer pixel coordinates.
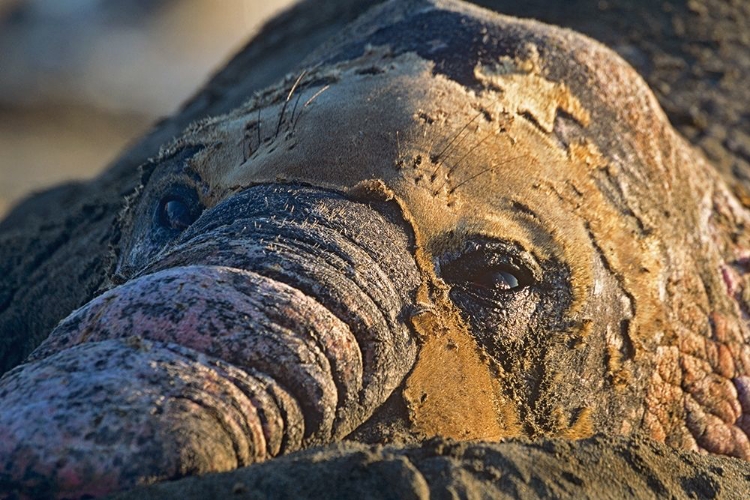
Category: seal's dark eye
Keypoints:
(175, 214)
(488, 271)
(499, 279)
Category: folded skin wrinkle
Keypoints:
(278, 340)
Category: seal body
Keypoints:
(447, 223)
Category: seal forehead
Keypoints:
(429, 139)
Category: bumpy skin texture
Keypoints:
(230, 347)
(524, 173)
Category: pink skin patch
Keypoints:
(185, 371)
(109, 415)
(234, 315)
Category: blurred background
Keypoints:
(80, 79)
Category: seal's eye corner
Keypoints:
(175, 213)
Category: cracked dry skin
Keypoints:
(449, 223)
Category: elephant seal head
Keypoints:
(450, 223)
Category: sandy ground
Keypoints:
(80, 82)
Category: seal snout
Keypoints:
(235, 346)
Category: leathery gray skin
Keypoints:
(450, 223)
(267, 326)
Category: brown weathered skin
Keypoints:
(653, 337)
(545, 142)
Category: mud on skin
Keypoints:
(446, 223)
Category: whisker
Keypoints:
(286, 101)
(456, 164)
(429, 141)
(486, 170)
(439, 156)
(294, 110)
(310, 100)
(315, 96)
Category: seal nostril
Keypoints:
(175, 214)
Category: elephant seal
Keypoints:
(448, 223)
